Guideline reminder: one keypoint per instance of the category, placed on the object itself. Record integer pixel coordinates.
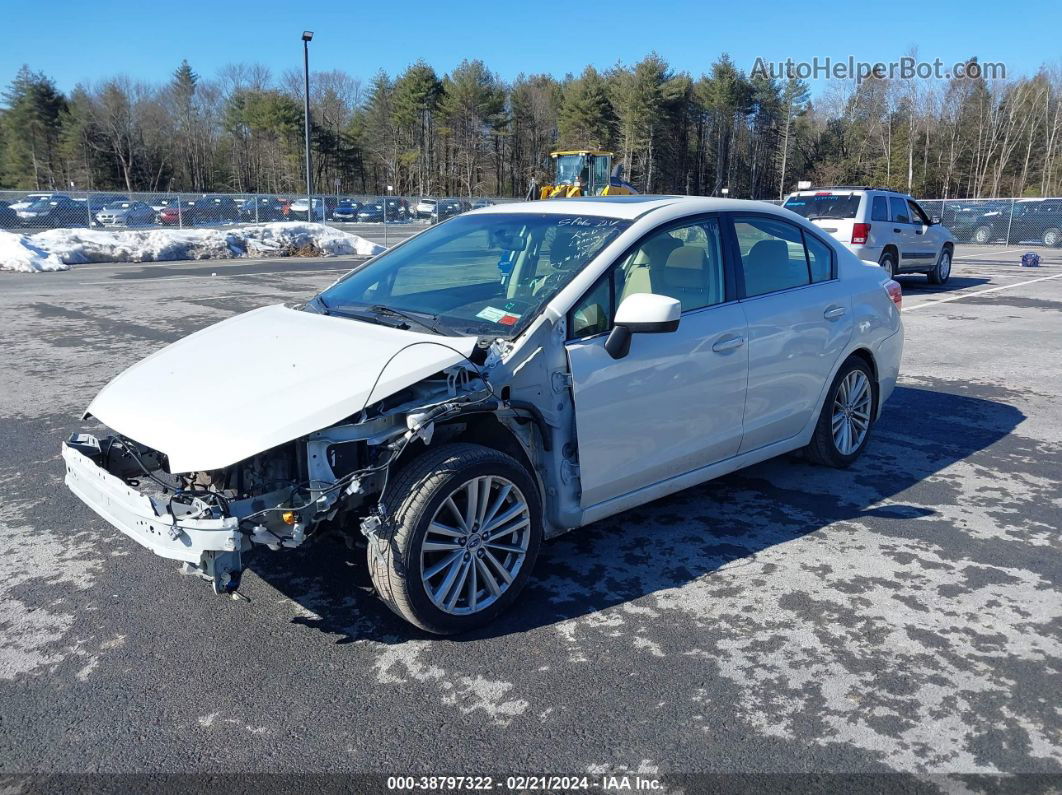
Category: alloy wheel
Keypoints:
(851, 412)
(945, 266)
(475, 545)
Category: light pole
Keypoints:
(387, 201)
(307, 37)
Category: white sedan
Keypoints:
(498, 379)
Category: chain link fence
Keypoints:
(33, 211)
(982, 221)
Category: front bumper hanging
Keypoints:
(147, 522)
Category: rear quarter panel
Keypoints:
(878, 326)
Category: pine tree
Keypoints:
(33, 127)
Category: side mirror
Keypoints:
(642, 313)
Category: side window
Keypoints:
(820, 259)
(917, 215)
(772, 255)
(593, 314)
(900, 213)
(880, 211)
(684, 263)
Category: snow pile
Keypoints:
(57, 249)
(18, 253)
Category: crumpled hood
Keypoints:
(263, 378)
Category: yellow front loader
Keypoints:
(585, 172)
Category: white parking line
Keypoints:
(979, 292)
(204, 277)
(961, 257)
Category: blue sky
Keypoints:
(88, 41)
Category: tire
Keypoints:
(942, 270)
(824, 448)
(1052, 237)
(888, 263)
(422, 493)
(982, 235)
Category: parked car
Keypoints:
(478, 204)
(262, 209)
(177, 213)
(95, 202)
(55, 212)
(980, 222)
(346, 210)
(32, 198)
(8, 217)
(161, 203)
(397, 210)
(212, 210)
(1037, 219)
(678, 339)
(323, 207)
(448, 208)
(126, 214)
(425, 208)
(882, 226)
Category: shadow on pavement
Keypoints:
(670, 542)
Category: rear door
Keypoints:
(675, 402)
(799, 319)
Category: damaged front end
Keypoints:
(211, 520)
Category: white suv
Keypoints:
(882, 226)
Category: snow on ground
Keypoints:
(58, 249)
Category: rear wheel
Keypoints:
(1052, 237)
(982, 234)
(888, 263)
(847, 416)
(463, 538)
(942, 270)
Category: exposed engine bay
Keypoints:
(279, 497)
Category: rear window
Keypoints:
(829, 206)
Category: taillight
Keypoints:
(892, 287)
(860, 232)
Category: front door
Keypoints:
(675, 402)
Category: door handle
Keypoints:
(834, 312)
(897, 230)
(918, 231)
(728, 344)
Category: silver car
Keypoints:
(126, 213)
(499, 379)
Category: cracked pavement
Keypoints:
(900, 616)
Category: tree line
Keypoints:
(471, 133)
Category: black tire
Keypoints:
(822, 449)
(982, 235)
(942, 269)
(888, 263)
(1052, 237)
(417, 492)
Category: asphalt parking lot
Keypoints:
(902, 616)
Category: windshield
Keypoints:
(828, 206)
(571, 168)
(486, 275)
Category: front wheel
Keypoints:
(461, 542)
(844, 425)
(942, 270)
(1052, 237)
(982, 234)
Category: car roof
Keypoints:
(624, 207)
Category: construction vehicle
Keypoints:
(585, 172)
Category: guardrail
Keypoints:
(984, 221)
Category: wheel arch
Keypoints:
(867, 356)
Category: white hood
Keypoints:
(263, 378)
